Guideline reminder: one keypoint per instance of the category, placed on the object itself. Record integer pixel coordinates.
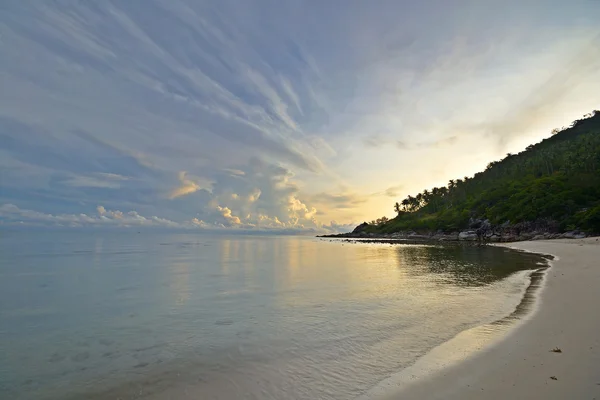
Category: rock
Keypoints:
(445, 237)
(475, 223)
(573, 235)
(467, 235)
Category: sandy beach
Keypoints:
(522, 365)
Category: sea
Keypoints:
(154, 315)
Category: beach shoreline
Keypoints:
(520, 363)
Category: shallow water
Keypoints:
(149, 315)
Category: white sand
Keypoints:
(521, 365)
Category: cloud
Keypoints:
(286, 85)
(393, 191)
(265, 116)
(339, 200)
(402, 145)
(552, 94)
(374, 141)
(263, 194)
(379, 142)
(333, 227)
(231, 219)
(98, 180)
(235, 172)
(190, 185)
(199, 223)
(321, 146)
(13, 214)
(276, 105)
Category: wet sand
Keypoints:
(522, 365)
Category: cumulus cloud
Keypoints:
(13, 214)
(261, 195)
(10, 214)
(226, 213)
(190, 185)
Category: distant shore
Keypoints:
(554, 354)
(458, 236)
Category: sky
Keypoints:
(279, 116)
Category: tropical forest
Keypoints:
(554, 183)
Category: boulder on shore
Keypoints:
(467, 235)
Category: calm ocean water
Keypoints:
(188, 316)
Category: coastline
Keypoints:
(469, 236)
(521, 364)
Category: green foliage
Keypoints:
(589, 220)
(380, 221)
(557, 179)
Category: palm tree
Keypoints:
(419, 200)
(435, 194)
(426, 197)
(460, 188)
(451, 184)
(413, 203)
(397, 208)
(405, 204)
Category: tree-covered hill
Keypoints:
(554, 184)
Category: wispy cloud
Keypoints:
(393, 191)
(98, 180)
(339, 200)
(108, 103)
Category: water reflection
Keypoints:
(237, 259)
(274, 317)
(225, 255)
(464, 265)
(98, 248)
(180, 280)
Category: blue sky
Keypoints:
(267, 115)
